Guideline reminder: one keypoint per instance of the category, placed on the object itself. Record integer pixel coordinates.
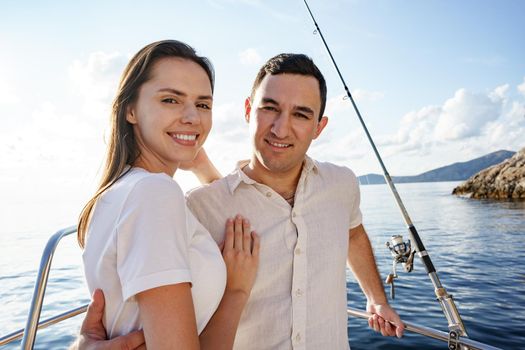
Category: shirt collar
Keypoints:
(238, 176)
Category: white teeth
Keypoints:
(281, 145)
(185, 137)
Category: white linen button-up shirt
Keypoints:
(299, 297)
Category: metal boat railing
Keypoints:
(11, 337)
(29, 332)
(32, 325)
(430, 332)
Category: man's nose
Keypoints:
(281, 125)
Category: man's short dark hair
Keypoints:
(292, 63)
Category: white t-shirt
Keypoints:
(142, 236)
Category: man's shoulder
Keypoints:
(217, 188)
(328, 169)
(209, 204)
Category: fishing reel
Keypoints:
(401, 253)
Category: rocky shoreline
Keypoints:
(505, 180)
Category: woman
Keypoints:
(158, 267)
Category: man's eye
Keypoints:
(269, 108)
(204, 106)
(170, 100)
(301, 115)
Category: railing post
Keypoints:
(40, 287)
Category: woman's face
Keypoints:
(172, 114)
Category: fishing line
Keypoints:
(455, 324)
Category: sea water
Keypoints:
(477, 247)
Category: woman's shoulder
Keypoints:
(142, 183)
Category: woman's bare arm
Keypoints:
(168, 317)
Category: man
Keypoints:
(306, 213)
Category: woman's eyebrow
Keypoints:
(183, 94)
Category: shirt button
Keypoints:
(299, 292)
(293, 214)
(268, 194)
(298, 337)
(298, 251)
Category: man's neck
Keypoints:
(284, 183)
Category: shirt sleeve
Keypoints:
(356, 217)
(152, 237)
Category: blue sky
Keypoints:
(436, 81)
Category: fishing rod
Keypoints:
(455, 324)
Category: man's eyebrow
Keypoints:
(269, 100)
(183, 94)
(305, 109)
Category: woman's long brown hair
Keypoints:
(122, 149)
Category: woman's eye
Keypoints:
(170, 100)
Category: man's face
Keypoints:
(284, 119)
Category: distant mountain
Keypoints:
(453, 172)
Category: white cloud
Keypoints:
(250, 56)
(343, 141)
(517, 111)
(346, 149)
(54, 137)
(228, 117)
(508, 130)
(521, 87)
(465, 115)
(466, 125)
(361, 95)
(337, 105)
(95, 80)
(463, 119)
(229, 139)
(499, 93)
(415, 132)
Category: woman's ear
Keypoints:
(130, 115)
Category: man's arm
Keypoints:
(93, 334)
(363, 265)
(202, 167)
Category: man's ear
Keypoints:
(130, 115)
(320, 126)
(247, 109)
